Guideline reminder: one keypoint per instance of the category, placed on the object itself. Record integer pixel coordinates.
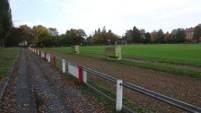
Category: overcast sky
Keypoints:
(117, 15)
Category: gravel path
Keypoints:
(35, 87)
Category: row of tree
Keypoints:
(102, 37)
(136, 35)
(42, 36)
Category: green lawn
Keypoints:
(7, 57)
(188, 54)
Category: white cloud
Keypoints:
(121, 15)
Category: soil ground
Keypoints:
(35, 87)
(187, 89)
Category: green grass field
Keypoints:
(7, 57)
(185, 54)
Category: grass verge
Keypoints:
(7, 57)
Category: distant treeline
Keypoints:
(41, 36)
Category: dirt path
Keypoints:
(186, 67)
(35, 87)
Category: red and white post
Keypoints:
(44, 55)
(80, 75)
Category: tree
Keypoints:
(53, 37)
(197, 33)
(112, 38)
(142, 35)
(128, 36)
(180, 35)
(81, 35)
(61, 39)
(41, 35)
(172, 37)
(5, 20)
(26, 33)
(53, 31)
(99, 31)
(154, 36)
(160, 36)
(147, 38)
(75, 36)
(104, 37)
(167, 36)
(135, 35)
(104, 30)
(90, 40)
(14, 37)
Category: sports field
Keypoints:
(185, 54)
(170, 69)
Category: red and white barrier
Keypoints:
(78, 72)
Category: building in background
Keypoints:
(189, 33)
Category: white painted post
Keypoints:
(48, 58)
(119, 96)
(63, 66)
(84, 76)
